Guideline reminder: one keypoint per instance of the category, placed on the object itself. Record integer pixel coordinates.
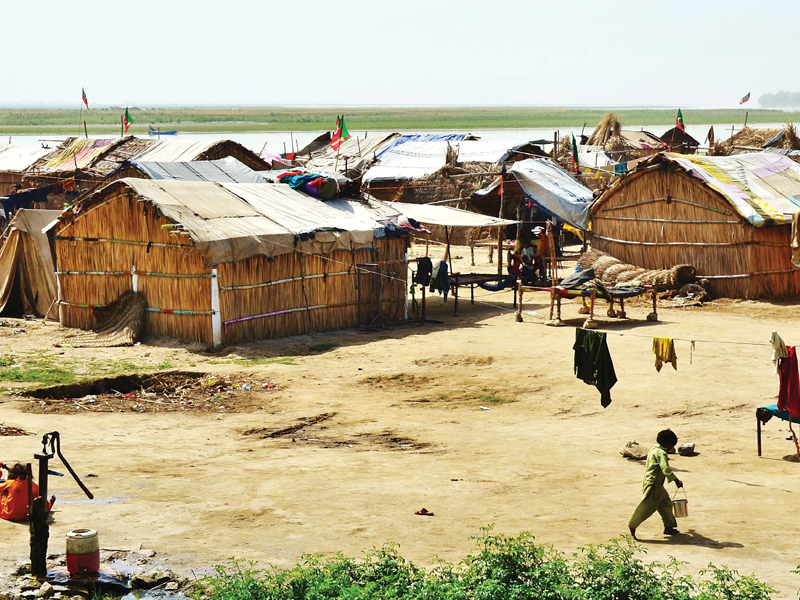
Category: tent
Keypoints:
(27, 275)
(551, 188)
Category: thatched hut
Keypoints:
(752, 139)
(729, 217)
(679, 141)
(89, 163)
(226, 263)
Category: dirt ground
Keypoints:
(479, 420)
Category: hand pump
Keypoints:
(37, 508)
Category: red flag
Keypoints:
(340, 134)
(679, 121)
(126, 120)
(745, 99)
(84, 98)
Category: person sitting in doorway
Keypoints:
(533, 272)
(14, 494)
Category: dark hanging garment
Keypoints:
(593, 363)
(789, 394)
(424, 270)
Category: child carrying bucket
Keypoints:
(654, 495)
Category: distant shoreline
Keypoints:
(264, 120)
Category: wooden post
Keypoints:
(122, 126)
(85, 130)
(758, 430)
(501, 230)
(472, 249)
(448, 255)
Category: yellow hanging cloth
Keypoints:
(664, 349)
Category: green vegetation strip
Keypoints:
(243, 120)
(501, 568)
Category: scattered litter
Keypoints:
(533, 313)
(424, 512)
(634, 450)
(686, 449)
(484, 408)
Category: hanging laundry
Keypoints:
(424, 271)
(593, 363)
(440, 282)
(789, 394)
(778, 349)
(664, 349)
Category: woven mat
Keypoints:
(120, 324)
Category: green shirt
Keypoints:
(656, 470)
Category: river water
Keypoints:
(279, 141)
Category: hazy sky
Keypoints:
(397, 52)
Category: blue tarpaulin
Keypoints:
(553, 190)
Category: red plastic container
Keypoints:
(83, 552)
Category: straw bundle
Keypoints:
(790, 139)
(610, 271)
(121, 323)
(608, 127)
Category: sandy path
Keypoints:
(404, 431)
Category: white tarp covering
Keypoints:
(413, 160)
(554, 190)
(232, 222)
(174, 151)
(13, 158)
(351, 159)
(434, 214)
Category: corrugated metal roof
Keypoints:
(224, 170)
(174, 151)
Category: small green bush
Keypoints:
(500, 568)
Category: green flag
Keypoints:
(126, 120)
(679, 121)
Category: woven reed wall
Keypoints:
(123, 217)
(349, 294)
(716, 240)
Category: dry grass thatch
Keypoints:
(611, 271)
(751, 139)
(608, 127)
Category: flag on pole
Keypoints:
(340, 134)
(679, 121)
(745, 99)
(84, 98)
(127, 121)
(575, 155)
